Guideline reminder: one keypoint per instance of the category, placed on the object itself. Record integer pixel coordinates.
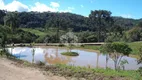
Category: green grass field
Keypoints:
(135, 46)
(34, 31)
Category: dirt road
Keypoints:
(9, 71)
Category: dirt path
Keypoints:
(9, 71)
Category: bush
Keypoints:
(70, 53)
(61, 45)
(140, 71)
(82, 45)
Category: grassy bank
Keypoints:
(92, 74)
(83, 73)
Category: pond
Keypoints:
(51, 55)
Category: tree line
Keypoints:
(100, 26)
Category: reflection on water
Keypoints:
(55, 58)
(33, 54)
(51, 55)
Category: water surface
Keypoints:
(51, 55)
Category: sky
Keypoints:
(123, 8)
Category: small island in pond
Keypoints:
(70, 53)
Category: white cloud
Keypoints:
(42, 8)
(126, 15)
(81, 6)
(14, 6)
(69, 9)
(55, 4)
(2, 6)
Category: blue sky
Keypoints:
(124, 8)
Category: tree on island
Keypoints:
(69, 38)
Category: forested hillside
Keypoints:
(66, 20)
(99, 26)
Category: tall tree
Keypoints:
(11, 20)
(2, 14)
(101, 19)
(58, 28)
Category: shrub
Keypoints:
(61, 45)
